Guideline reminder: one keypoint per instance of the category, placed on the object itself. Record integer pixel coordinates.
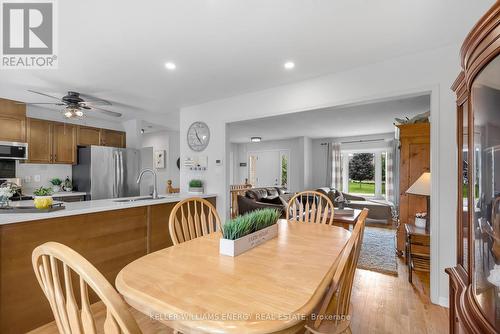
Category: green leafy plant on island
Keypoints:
(56, 181)
(196, 183)
(250, 223)
(42, 192)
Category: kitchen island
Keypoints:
(109, 233)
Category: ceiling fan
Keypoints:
(75, 105)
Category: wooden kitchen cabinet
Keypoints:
(112, 138)
(51, 142)
(109, 240)
(64, 143)
(12, 121)
(88, 136)
(39, 137)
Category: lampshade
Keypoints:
(422, 186)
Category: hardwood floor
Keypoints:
(388, 304)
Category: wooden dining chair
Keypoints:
(67, 279)
(310, 207)
(336, 304)
(192, 218)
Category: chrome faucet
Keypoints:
(155, 189)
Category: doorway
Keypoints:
(269, 168)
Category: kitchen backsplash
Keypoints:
(36, 175)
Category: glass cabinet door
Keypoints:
(463, 203)
(485, 194)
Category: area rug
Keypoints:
(377, 251)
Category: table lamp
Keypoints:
(422, 187)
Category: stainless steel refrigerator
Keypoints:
(107, 172)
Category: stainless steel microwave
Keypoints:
(13, 151)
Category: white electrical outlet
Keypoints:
(36, 178)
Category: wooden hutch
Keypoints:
(475, 280)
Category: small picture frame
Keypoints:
(159, 159)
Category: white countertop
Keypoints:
(62, 194)
(78, 208)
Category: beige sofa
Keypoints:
(378, 209)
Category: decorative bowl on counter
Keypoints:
(43, 202)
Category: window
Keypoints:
(284, 169)
(384, 167)
(252, 170)
(362, 173)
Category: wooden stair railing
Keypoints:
(235, 190)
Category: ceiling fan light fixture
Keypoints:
(72, 112)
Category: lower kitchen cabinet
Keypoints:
(109, 240)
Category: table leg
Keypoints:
(408, 258)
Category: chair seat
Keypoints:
(146, 324)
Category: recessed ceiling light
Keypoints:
(289, 65)
(256, 139)
(170, 66)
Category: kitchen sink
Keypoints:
(136, 199)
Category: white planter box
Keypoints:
(196, 190)
(241, 245)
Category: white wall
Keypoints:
(46, 172)
(168, 141)
(432, 71)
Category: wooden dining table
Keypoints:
(346, 221)
(271, 288)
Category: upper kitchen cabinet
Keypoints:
(88, 136)
(112, 138)
(39, 135)
(64, 143)
(51, 142)
(12, 121)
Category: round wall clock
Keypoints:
(198, 136)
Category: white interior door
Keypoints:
(264, 168)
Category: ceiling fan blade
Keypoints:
(35, 103)
(107, 112)
(34, 91)
(95, 100)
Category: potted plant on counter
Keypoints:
(56, 184)
(43, 198)
(196, 186)
(248, 231)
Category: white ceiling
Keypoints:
(356, 120)
(116, 50)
